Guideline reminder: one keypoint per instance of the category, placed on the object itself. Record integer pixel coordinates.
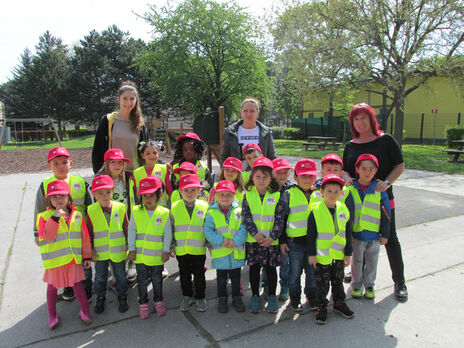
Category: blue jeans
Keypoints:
(298, 256)
(145, 274)
(101, 277)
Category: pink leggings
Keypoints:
(52, 295)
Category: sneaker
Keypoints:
(356, 293)
(131, 276)
(369, 293)
(238, 304)
(144, 311)
(165, 272)
(160, 308)
(53, 321)
(85, 317)
(272, 304)
(222, 305)
(321, 315)
(185, 304)
(255, 304)
(295, 304)
(312, 302)
(201, 305)
(68, 294)
(123, 306)
(343, 310)
(347, 277)
(284, 293)
(89, 294)
(401, 291)
(99, 305)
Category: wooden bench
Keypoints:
(320, 145)
(456, 154)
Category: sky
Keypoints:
(23, 22)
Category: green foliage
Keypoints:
(277, 132)
(454, 133)
(293, 133)
(74, 133)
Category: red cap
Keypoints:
(115, 154)
(367, 156)
(57, 187)
(150, 184)
(57, 151)
(305, 166)
(251, 146)
(332, 157)
(188, 181)
(234, 163)
(280, 163)
(332, 178)
(186, 166)
(102, 182)
(225, 185)
(189, 136)
(263, 162)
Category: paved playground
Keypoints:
(430, 219)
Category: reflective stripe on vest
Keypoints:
(150, 235)
(160, 171)
(227, 231)
(67, 244)
(263, 212)
(316, 196)
(297, 222)
(201, 170)
(330, 244)
(188, 231)
(76, 186)
(367, 213)
(109, 241)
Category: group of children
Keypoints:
(161, 211)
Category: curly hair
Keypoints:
(158, 145)
(198, 145)
(273, 186)
(136, 117)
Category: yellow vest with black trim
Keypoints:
(238, 195)
(297, 222)
(366, 213)
(160, 171)
(316, 196)
(201, 169)
(263, 212)
(331, 239)
(109, 241)
(175, 196)
(149, 239)
(66, 246)
(188, 231)
(76, 186)
(227, 231)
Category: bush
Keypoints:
(454, 133)
(73, 133)
(277, 132)
(293, 134)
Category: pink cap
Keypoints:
(367, 156)
(115, 154)
(57, 151)
(280, 163)
(234, 163)
(188, 181)
(189, 136)
(251, 146)
(150, 184)
(102, 182)
(332, 178)
(225, 185)
(186, 166)
(57, 187)
(305, 166)
(263, 162)
(332, 157)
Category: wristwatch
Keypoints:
(387, 182)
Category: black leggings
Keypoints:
(255, 275)
(394, 253)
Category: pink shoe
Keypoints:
(85, 317)
(144, 311)
(160, 309)
(53, 322)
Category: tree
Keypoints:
(202, 55)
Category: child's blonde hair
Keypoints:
(106, 170)
(238, 180)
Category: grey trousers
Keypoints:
(364, 263)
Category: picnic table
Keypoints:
(321, 143)
(459, 151)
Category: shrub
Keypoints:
(277, 132)
(73, 133)
(454, 133)
(293, 134)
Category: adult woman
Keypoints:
(247, 130)
(122, 129)
(367, 138)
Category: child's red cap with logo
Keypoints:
(332, 157)
(188, 181)
(102, 182)
(186, 166)
(263, 162)
(150, 184)
(369, 157)
(57, 187)
(280, 163)
(189, 136)
(225, 186)
(305, 166)
(234, 163)
(332, 178)
(115, 154)
(57, 151)
(252, 146)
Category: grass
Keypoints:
(75, 143)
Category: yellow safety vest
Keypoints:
(246, 176)
(331, 240)
(188, 232)
(367, 213)
(109, 241)
(227, 231)
(160, 171)
(297, 222)
(201, 170)
(263, 212)
(66, 246)
(76, 186)
(316, 196)
(150, 232)
(175, 196)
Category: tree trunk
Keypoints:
(399, 118)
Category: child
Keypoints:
(149, 244)
(251, 152)
(263, 219)
(227, 235)
(107, 223)
(59, 162)
(64, 246)
(184, 169)
(231, 170)
(294, 239)
(188, 215)
(371, 225)
(329, 247)
(190, 148)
